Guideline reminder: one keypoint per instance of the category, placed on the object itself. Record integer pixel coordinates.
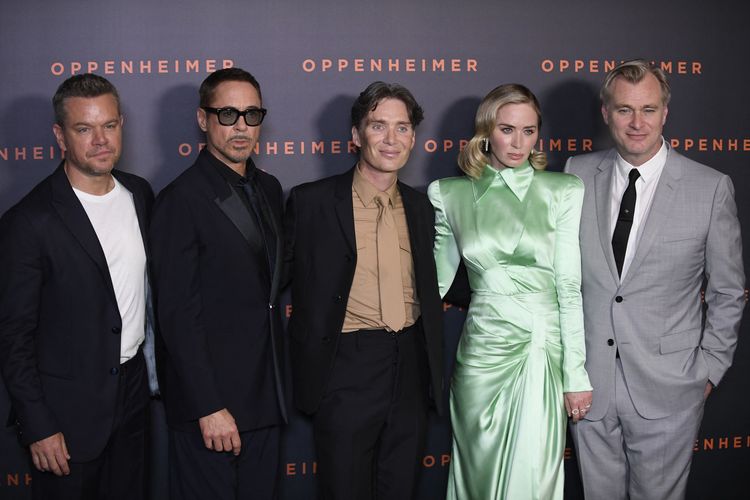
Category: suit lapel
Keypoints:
(140, 206)
(414, 222)
(275, 219)
(658, 214)
(602, 191)
(345, 209)
(231, 205)
(227, 199)
(73, 215)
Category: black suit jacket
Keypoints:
(59, 321)
(321, 254)
(219, 342)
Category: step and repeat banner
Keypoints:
(313, 58)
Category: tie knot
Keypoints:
(633, 175)
(382, 199)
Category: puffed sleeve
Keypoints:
(447, 257)
(567, 264)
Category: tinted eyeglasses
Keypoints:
(229, 116)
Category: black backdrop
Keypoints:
(312, 59)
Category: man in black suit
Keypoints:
(73, 312)
(216, 238)
(366, 327)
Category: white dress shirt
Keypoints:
(645, 187)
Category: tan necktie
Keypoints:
(390, 282)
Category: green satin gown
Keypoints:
(522, 345)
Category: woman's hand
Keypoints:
(577, 404)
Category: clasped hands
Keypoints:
(577, 404)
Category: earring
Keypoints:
(486, 145)
(533, 151)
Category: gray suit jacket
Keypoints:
(669, 349)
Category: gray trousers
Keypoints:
(625, 456)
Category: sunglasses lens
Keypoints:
(228, 116)
(253, 117)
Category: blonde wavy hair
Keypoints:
(473, 158)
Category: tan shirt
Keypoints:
(363, 307)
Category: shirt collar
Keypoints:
(367, 191)
(518, 179)
(650, 170)
(228, 173)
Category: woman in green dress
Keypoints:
(520, 361)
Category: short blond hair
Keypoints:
(634, 71)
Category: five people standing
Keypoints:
(366, 334)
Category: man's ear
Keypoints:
(59, 137)
(202, 118)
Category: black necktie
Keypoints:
(624, 221)
(262, 217)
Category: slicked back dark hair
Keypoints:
(369, 99)
(206, 91)
(84, 85)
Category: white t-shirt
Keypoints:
(116, 224)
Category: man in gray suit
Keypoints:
(655, 226)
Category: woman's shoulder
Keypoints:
(447, 184)
(559, 180)
(452, 181)
(449, 189)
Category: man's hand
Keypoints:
(577, 404)
(51, 454)
(220, 432)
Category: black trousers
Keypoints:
(197, 473)
(370, 428)
(120, 471)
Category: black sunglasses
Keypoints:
(229, 116)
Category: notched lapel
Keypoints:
(74, 217)
(413, 222)
(140, 208)
(345, 208)
(602, 192)
(278, 230)
(658, 214)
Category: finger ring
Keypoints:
(575, 412)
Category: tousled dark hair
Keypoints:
(369, 99)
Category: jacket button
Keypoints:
(348, 258)
(610, 342)
(618, 299)
(114, 371)
(116, 330)
(337, 298)
(326, 339)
